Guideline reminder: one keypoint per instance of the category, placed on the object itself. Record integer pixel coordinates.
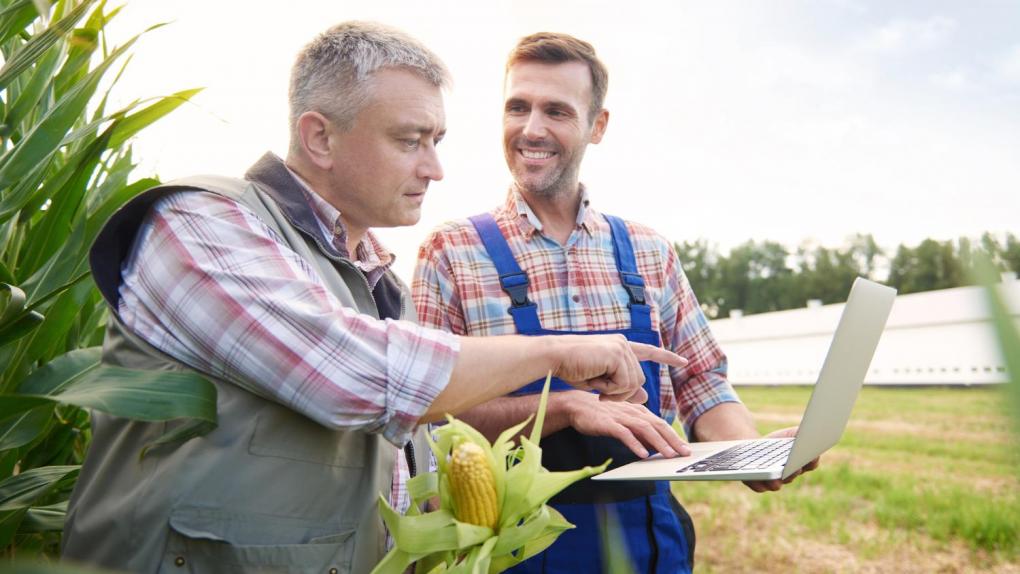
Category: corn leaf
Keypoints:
(30, 53)
(134, 123)
(37, 86)
(15, 18)
(47, 135)
(437, 542)
(1006, 332)
(19, 493)
(23, 428)
(536, 431)
(48, 518)
(65, 204)
(19, 327)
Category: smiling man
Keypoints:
(274, 288)
(546, 263)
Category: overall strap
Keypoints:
(512, 279)
(640, 311)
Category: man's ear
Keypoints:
(314, 131)
(598, 128)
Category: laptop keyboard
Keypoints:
(747, 456)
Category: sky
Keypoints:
(802, 122)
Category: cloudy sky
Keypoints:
(793, 121)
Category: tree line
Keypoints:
(759, 277)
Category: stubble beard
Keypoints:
(558, 182)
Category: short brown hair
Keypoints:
(556, 48)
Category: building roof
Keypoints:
(936, 337)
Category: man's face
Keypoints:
(546, 126)
(383, 165)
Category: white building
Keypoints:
(937, 337)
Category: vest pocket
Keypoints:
(203, 540)
(283, 434)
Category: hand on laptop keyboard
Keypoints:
(774, 485)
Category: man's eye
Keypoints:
(411, 144)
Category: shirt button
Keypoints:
(576, 298)
(179, 561)
(333, 571)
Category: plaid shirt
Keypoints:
(209, 284)
(577, 288)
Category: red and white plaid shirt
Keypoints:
(576, 287)
(209, 284)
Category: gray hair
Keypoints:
(332, 74)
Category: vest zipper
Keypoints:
(412, 467)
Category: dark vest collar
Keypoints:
(276, 181)
(113, 244)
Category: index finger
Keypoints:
(651, 353)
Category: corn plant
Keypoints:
(986, 273)
(65, 167)
(493, 512)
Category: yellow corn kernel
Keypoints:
(473, 486)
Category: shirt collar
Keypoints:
(529, 222)
(370, 255)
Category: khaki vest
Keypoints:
(268, 490)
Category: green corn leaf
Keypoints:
(49, 339)
(19, 493)
(112, 203)
(12, 302)
(79, 379)
(36, 87)
(13, 405)
(143, 395)
(61, 372)
(5, 277)
(27, 189)
(554, 525)
(134, 123)
(19, 327)
(59, 219)
(25, 427)
(1006, 331)
(22, 490)
(15, 18)
(34, 49)
(536, 431)
(437, 542)
(46, 136)
(48, 518)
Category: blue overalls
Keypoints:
(654, 526)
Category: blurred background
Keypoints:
(784, 148)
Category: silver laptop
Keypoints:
(827, 413)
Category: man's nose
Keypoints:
(534, 127)
(430, 167)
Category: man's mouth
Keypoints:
(536, 154)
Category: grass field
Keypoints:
(896, 495)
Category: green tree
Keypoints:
(700, 264)
(65, 166)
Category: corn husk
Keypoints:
(436, 542)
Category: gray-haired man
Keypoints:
(273, 287)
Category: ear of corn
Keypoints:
(473, 486)
(493, 512)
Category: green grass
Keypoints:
(924, 479)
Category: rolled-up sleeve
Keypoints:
(702, 384)
(211, 285)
